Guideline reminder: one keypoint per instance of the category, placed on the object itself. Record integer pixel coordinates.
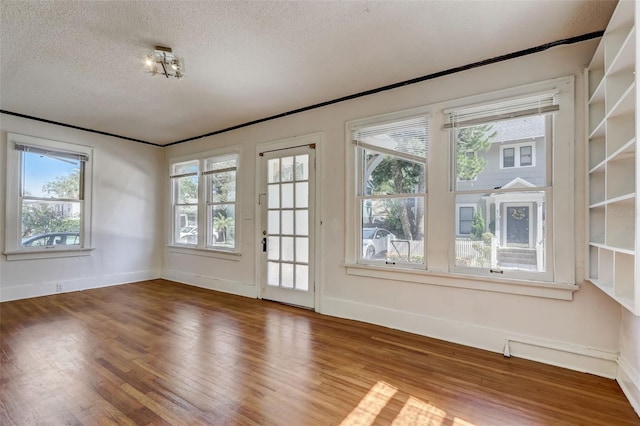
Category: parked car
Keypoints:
(52, 239)
(375, 242)
(189, 235)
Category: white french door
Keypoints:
(287, 210)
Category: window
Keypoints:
(392, 164)
(495, 181)
(465, 219)
(48, 196)
(522, 154)
(511, 233)
(508, 157)
(204, 201)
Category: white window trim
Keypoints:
(516, 154)
(201, 248)
(441, 200)
(13, 249)
(458, 206)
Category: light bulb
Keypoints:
(149, 63)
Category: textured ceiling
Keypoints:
(80, 62)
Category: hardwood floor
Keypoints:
(158, 352)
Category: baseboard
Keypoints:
(629, 381)
(226, 286)
(574, 357)
(76, 284)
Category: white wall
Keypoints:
(127, 217)
(582, 334)
(629, 369)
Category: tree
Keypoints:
(223, 224)
(64, 186)
(389, 174)
(477, 225)
(470, 142)
(41, 217)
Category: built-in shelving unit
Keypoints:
(613, 174)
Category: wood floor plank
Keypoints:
(159, 352)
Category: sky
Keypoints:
(40, 169)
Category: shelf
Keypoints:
(620, 131)
(613, 249)
(605, 268)
(618, 31)
(621, 95)
(627, 149)
(624, 276)
(620, 224)
(621, 178)
(597, 152)
(597, 225)
(597, 188)
(612, 114)
(593, 262)
(597, 114)
(624, 60)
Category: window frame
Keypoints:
(458, 216)
(517, 154)
(13, 247)
(440, 229)
(203, 221)
(360, 184)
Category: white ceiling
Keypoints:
(80, 62)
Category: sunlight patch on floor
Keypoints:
(414, 411)
(370, 406)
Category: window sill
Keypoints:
(547, 290)
(194, 251)
(47, 254)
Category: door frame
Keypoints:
(283, 144)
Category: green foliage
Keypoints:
(469, 143)
(223, 224)
(41, 218)
(188, 187)
(64, 186)
(477, 225)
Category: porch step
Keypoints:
(516, 257)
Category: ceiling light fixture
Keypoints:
(162, 61)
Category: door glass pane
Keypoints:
(302, 222)
(287, 169)
(287, 249)
(273, 227)
(287, 195)
(302, 250)
(273, 248)
(273, 196)
(302, 277)
(273, 170)
(302, 167)
(287, 222)
(273, 274)
(287, 275)
(302, 194)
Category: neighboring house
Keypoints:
(516, 159)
